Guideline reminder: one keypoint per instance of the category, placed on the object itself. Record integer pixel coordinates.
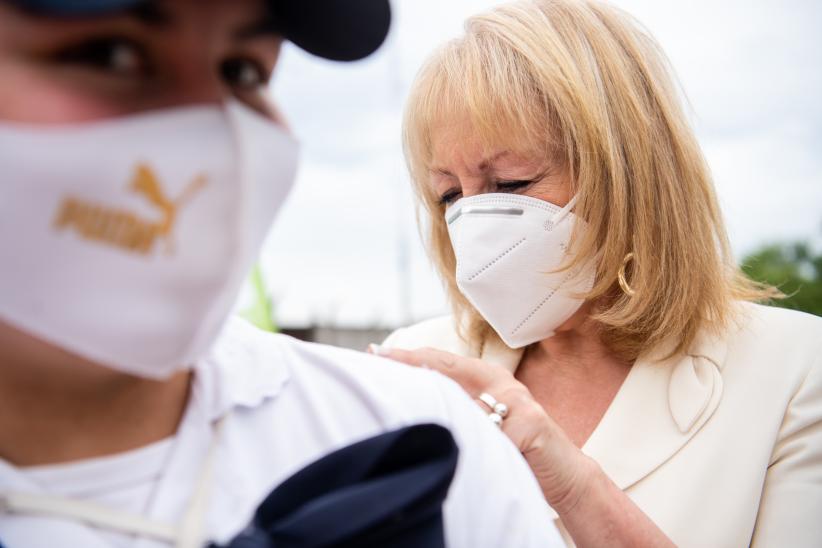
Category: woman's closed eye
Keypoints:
(449, 196)
(513, 186)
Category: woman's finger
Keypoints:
(408, 357)
(472, 374)
(439, 360)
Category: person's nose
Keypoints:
(199, 83)
(192, 75)
(472, 186)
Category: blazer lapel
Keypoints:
(658, 409)
(495, 352)
(661, 405)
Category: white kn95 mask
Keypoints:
(509, 249)
(125, 241)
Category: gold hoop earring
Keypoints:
(623, 283)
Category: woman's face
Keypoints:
(463, 167)
(163, 54)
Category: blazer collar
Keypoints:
(495, 352)
(660, 406)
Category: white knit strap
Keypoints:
(190, 532)
(88, 513)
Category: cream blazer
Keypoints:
(720, 447)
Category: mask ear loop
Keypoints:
(565, 210)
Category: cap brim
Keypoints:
(76, 8)
(340, 30)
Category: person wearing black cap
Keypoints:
(142, 163)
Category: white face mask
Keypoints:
(125, 241)
(508, 248)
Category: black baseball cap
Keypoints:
(340, 30)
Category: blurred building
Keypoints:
(347, 337)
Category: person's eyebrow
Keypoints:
(151, 13)
(264, 27)
(441, 171)
(486, 164)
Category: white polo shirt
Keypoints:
(282, 404)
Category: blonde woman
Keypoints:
(599, 318)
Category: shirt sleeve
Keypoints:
(791, 505)
(495, 501)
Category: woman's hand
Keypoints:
(563, 472)
(593, 509)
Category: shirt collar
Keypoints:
(244, 368)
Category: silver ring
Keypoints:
(496, 419)
(498, 409)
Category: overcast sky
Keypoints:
(346, 243)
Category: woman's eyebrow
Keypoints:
(441, 171)
(487, 163)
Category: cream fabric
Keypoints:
(720, 447)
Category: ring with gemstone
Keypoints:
(498, 409)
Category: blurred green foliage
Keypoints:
(261, 310)
(793, 268)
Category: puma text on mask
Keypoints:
(125, 241)
(508, 249)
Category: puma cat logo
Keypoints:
(122, 228)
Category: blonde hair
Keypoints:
(584, 84)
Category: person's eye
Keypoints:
(115, 55)
(449, 196)
(244, 73)
(513, 186)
